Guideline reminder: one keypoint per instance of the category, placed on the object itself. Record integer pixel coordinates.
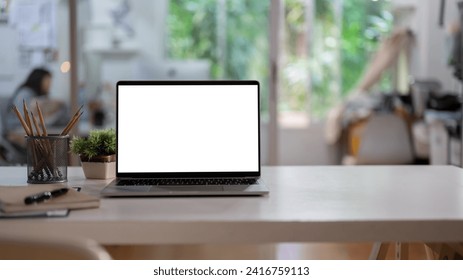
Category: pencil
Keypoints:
(72, 122)
(36, 125)
(76, 113)
(26, 117)
(21, 120)
(42, 122)
(46, 143)
(41, 149)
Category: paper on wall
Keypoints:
(35, 20)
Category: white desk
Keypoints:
(306, 204)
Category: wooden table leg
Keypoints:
(458, 248)
(443, 251)
(379, 251)
(430, 255)
(401, 251)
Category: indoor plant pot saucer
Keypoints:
(99, 167)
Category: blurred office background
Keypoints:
(309, 56)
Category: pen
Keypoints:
(40, 197)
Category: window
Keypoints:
(326, 46)
(231, 35)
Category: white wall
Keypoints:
(301, 146)
(9, 60)
(306, 147)
(129, 61)
(149, 25)
(430, 55)
(60, 86)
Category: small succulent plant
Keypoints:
(98, 143)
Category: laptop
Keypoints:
(187, 138)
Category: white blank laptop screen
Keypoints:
(188, 128)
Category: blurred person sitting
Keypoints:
(36, 88)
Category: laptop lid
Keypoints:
(188, 129)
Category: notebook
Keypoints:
(12, 200)
(36, 214)
(187, 138)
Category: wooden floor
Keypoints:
(323, 251)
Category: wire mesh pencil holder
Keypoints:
(47, 159)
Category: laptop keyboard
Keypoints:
(189, 181)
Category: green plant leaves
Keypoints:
(98, 143)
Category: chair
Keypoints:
(33, 248)
(12, 153)
(384, 139)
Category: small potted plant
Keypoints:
(97, 153)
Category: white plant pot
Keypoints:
(99, 170)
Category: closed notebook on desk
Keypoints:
(12, 199)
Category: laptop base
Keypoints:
(113, 190)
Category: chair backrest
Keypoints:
(3, 114)
(11, 151)
(385, 140)
(32, 248)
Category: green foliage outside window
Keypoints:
(363, 25)
(326, 69)
(193, 34)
